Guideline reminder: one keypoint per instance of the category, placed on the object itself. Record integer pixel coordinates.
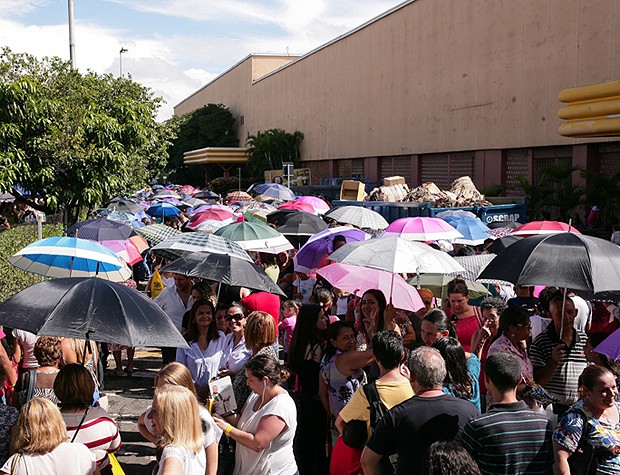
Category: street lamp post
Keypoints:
(120, 62)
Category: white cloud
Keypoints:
(19, 7)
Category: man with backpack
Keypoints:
(410, 428)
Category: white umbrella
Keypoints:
(397, 255)
(358, 216)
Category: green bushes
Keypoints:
(12, 280)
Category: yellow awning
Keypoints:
(216, 155)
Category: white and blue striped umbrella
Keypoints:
(70, 257)
(274, 190)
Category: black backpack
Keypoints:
(388, 464)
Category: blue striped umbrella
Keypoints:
(473, 230)
(70, 257)
(163, 210)
(274, 190)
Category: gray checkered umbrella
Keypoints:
(188, 243)
(157, 233)
(358, 216)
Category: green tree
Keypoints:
(603, 191)
(76, 139)
(210, 126)
(269, 148)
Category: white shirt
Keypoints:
(584, 313)
(203, 364)
(67, 458)
(193, 463)
(171, 303)
(277, 458)
(235, 356)
(27, 340)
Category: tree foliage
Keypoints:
(12, 279)
(210, 126)
(76, 139)
(269, 148)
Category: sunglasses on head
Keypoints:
(236, 316)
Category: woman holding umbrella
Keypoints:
(206, 346)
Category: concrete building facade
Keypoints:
(435, 89)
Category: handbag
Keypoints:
(582, 461)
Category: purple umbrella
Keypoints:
(310, 255)
(610, 346)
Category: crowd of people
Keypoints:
(325, 382)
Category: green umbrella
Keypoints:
(253, 236)
(438, 284)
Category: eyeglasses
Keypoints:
(236, 316)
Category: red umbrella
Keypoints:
(298, 206)
(210, 214)
(535, 228)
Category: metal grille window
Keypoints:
(444, 168)
(609, 154)
(396, 166)
(357, 167)
(516, 164)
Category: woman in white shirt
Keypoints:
(42, 444)
(236, 353)
(265, 430)
(206, 345)
(175, 418)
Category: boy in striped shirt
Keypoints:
(510, 438)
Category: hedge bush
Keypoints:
(12, 280)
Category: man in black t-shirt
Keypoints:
(410, 428)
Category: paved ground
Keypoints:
(128, 398)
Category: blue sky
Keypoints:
(176, 46)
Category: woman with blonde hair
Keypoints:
(175, 374)
(176, 421)
(42, 444)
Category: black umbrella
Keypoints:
(124, 206)
(100, 229)
(207, 194)
(298, 227)
(225, 269)
(503, 224)
(564, 260)
(502, 243)
(277, 217)
(90, 308)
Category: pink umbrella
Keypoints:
(126, 250)
(187, 190)
(201, 208)
(422, 229)
(298, 206)
(358, 280)
(210, 214)
(534, 228)
(318, 204)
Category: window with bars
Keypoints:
(517, 163)
(444, 168)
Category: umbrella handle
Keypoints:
(563, 308)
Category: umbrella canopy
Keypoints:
(274, 190)
(125, 218)
(472, 265)
(277, 217)
(188, 243)
(187, 190)
(70, 257)
(253, 236)
(438, 284)
(502, 243)
(535, 228)
(225, 269)
(358, 216)
(455, 212)
(193, 202)
(210, 226)
(100, 230)
(301, 224)
(163, 210)
(499, 232)
(297, 206)
(394, 254)
(238, 196)
(91, 308)
(311, 254)
(124, 206)
(503, 224)
(209, 207)
(320, 206)
(157, 233)
(210, 214)
(165, 194)
(206, 195)
(610, 346)
(126, 250)
(473, 230)
(564, 260)
(422, 229)
(140, 243)
(358, 280)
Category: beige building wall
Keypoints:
(431, 76)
